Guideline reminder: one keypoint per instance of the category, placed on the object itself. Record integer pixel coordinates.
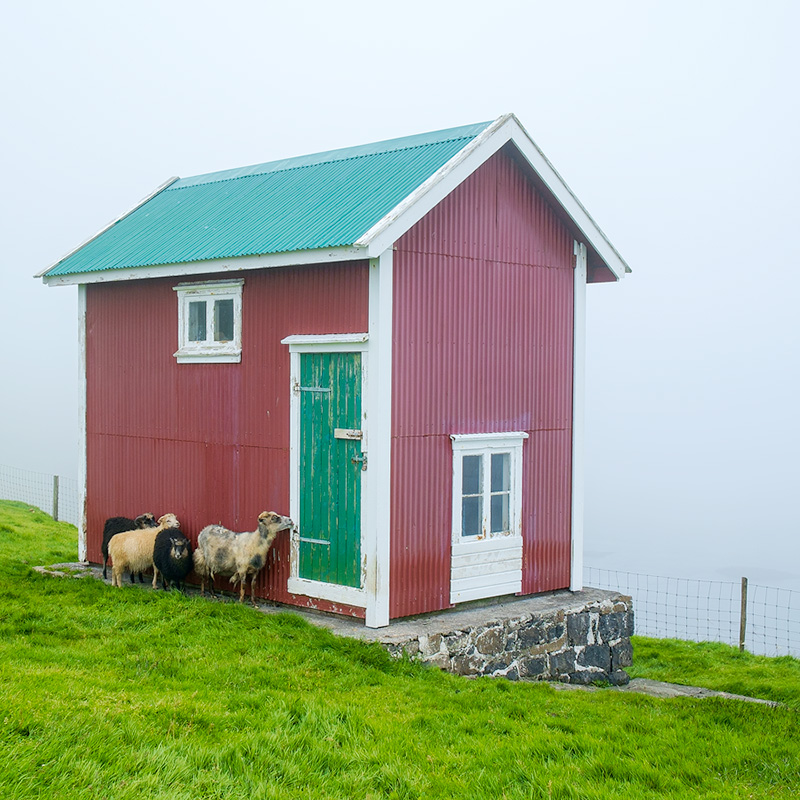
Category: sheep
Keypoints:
(115, 525)
(133, 550)
(172, 557)
(222, 552)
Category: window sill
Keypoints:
(209, 355)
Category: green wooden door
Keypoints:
(330, 468)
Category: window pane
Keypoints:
(471, 515)
(197, 322)
(500, 521)
(472, 475)
(223, 320)
(501, 472)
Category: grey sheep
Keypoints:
(172, 557)
(223, 552)
(115, 525)
(133, 550)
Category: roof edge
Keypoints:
(111, 224)
(506, 128)
(426, 186)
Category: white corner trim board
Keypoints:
(578, 414)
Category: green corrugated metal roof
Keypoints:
(316, 201)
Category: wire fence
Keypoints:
(762, 619)
(54, 494)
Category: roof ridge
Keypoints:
(467, 133)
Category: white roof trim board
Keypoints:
(503, 130)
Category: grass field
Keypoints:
(108, 693)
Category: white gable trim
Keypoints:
(503, 130)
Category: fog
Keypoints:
(675, 124)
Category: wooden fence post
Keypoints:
(55, 497)
(743, 615)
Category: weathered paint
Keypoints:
(483, 293)
(330, 466)
(208, 442)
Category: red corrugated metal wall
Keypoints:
(483, 297)
(208, 442)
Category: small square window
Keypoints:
(209, 322)
(487, 475)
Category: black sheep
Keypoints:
(172, 556)
(115, 525)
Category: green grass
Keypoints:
(718, 666)
(108, 693)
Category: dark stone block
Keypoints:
(533, 666)
(563, 663)
(622, 654)
(532, 635)
(578, 628)
(513, 674)
(539, 632)
(499, 664)
(612, 626)
(586, 677)
(619, 678)
(596, 655)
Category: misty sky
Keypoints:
(676, 124)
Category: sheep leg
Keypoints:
(253, 590)
(155, 577)
(105, 565)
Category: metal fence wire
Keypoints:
(708, 611)
(675, 608)
(56, 495)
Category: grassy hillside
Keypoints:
(131, 693)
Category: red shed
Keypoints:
(386, 342)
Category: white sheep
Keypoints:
(133, 550)
(223, 552)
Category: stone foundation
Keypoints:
(575, 643)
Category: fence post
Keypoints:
(743, 615)
(55, 497)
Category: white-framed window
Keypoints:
(487, 485)
(209, 322)
(486, 553)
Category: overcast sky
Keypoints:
(676, 124)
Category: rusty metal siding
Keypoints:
(482, 343)
(208, 442)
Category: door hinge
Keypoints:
(362, 459)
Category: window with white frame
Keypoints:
(210, 322)
(487, 485)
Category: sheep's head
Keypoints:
(179, 548)
(169, 521)
(269, 522)
(145, 521)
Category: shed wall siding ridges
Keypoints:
(208, 442)
(461, 368)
